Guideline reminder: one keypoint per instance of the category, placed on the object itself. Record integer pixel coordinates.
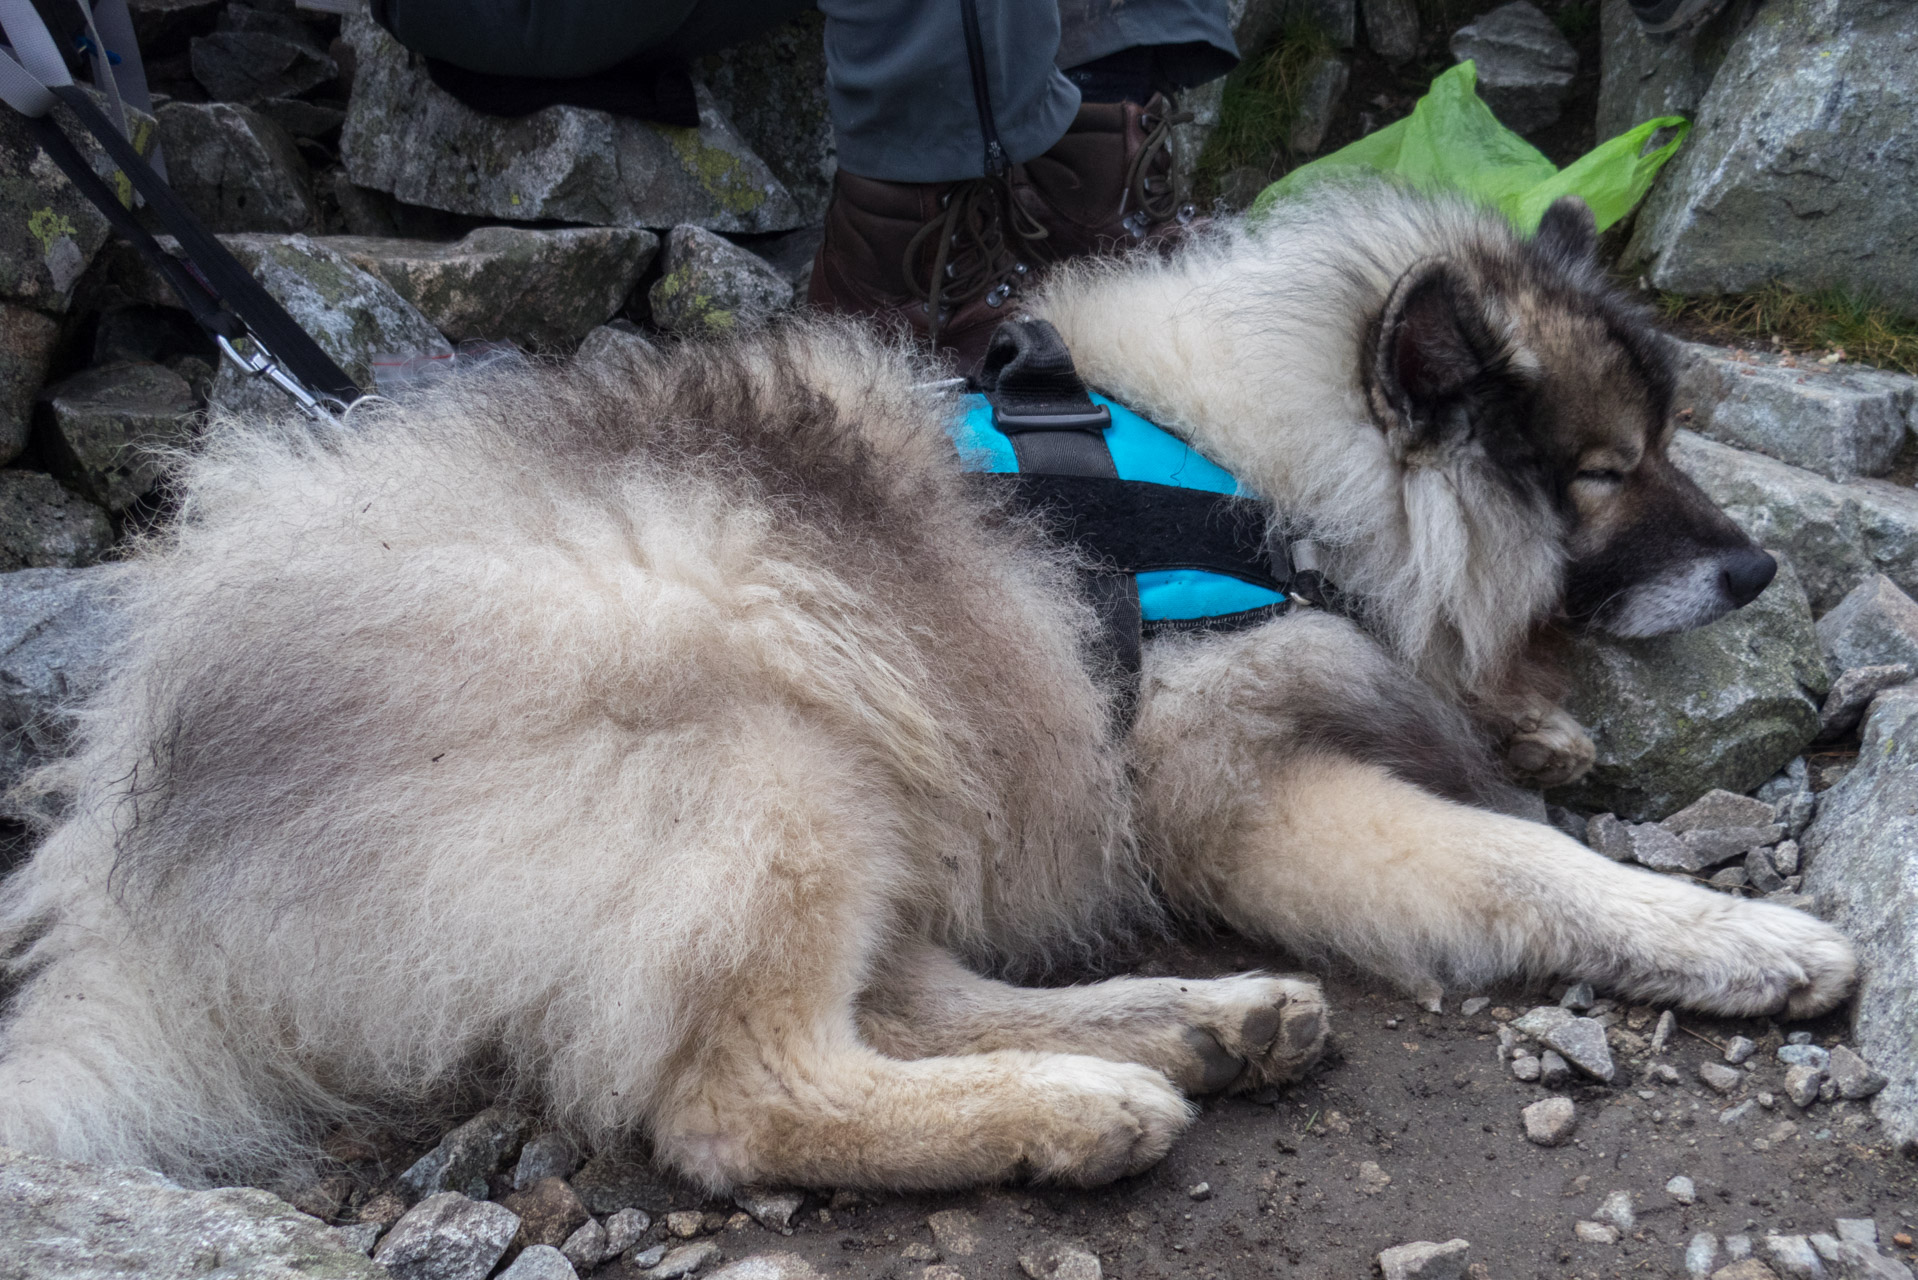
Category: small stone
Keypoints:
(624, 1229)
(1739, 1048)
(1720, 1077)
(1853, 691)
(1475, 1006)
(361, 1235)
(1794, 1256)
(1423, 1260)
(920, 1251)
(685, 1223)
(1595, 1233)
(1803, 1055)
(1766, 1100)
(1616, 1209)
(773, 1210)
(1659, 849)
(549, 1212)
(686, 1260)
(473, 1150)
(1700, 1253)
(447, 1236)
(1550, 1122)
(1716, 844)
(1582, 1041)
(550, 1155)
(1738, 1246)
(1542, 1019)
(1802, 1084)
(384, 1209)
(111, 420)
(1718, 809)
(648, 1258)
(1798, 1037)
(955, 1231)
(617, 344)
(1578, 997)
(1610, 836)
(768, 1266)
(1662, 1033)
(1682, 1189)
(1862, 1232)
(711, 285)
(1199, 1191)
(1527, 1068)
(1784, 858)
(1762, 872)
(1729, 878)
(1507, 1044)
(540, 1262)
(1852, 1075)
(1391, 28)
(1737, 1114)
(1059, 1261)
(44, 526)
(1745, 1268)
(586, 1247)
(1553, 1070)
(1371, 1178)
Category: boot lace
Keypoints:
(1158, 197)
(973, 256)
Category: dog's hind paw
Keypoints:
(1250, 1031)
(1110, 1120)
(1550, 750)
(1767, 959)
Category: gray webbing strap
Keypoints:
(32, 68)
(103, 77)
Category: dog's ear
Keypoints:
(1432, 342)
(1569, 232)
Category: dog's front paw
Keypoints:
(1253, 1030)
(1550, 750)
(1767, 959)
(1107, 1120)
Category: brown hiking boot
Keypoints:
(1108, 185)
(938, 257)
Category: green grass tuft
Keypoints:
(1832, 319)
(1260, 101)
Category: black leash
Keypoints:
(211, 284)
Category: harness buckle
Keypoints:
(1096, 421)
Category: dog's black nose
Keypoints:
(1746, 574)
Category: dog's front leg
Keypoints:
(1338, 856)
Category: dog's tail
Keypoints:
(110, 1056)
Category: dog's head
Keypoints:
(1526, 363)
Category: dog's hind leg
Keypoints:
(1343, 857)
(1205, 1035)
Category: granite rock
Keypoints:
(773, 90)
(1391, 28)
(1642, 77)
(406, 136)
(543, 290)
(1861, 853)
(769, 1266)
(540, 1262)
(1725, 706)
(110, 424)
(1424, 1260)
(1525, 64)
(1550, 1122)
(1800, 167)
(712, 285)
(1325, 81)
(66, 1221)
(447, 1237)
(1876, 624)
(1841, 421)
(45, 526)
(236, 169)
(1718, 809)
(26, 348)
(548, 1213)
(245, 66)
(474, 1149)
(1853, 691)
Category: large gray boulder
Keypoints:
(66, 1221)
(711, 285)
(26, 346)
(57, 629)
(44, 526)
(1525, 64)
(406, 136)
(1675, 716)
(1874, 626)
(545, 290)
(49, 232)
(1802, 166)
(1837, 535)
(773, 89)
(111, 424)
(1643, 77)
(352, 314)
(1862, 868)
(236, 169)
(1842, 421)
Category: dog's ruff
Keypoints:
(666, 744)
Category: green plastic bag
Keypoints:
(1453, 142)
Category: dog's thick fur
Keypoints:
(672, 743)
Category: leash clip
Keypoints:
(259, 364)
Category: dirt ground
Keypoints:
(1410, 1130)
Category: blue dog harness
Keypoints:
(1171, 539)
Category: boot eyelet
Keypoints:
(1187, 212)
(999, 295)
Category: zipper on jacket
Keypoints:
(996, 165)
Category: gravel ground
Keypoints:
(1410, 1130)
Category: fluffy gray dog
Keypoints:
(674, 743)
